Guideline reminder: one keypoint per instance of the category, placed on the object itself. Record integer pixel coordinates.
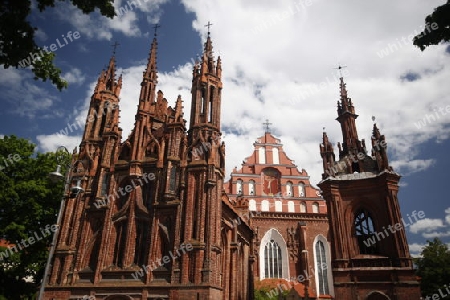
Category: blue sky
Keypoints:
(279, 60)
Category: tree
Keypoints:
(28, 202)
(17, 36)
(437, 28)
(433, 268)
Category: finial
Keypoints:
(373, 119)
(208, 25)
(267, 125)
(323, 128)
(115, 47)
(340, 68)
(156, 26)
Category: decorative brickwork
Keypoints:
(153, 222)
(156, 221)
(361, 195)
(284, 207)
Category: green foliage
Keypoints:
(267, 293)
(28, 202)
(433, 268)
(428, 37)
(17, 35)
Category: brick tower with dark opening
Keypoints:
(370, 255)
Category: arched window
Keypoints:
(262, 155)
(251, 187)
(365, 232)
(273, 257)
(322, 268)
(278, 205)
(252, 205)
(239, 187)
(291, 207)
(303, 207)
(264, 205)
(315, 207)
(289, 192)
(301, 189)
(272, 260)
(275, 157)
(173, 179)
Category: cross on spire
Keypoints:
(266, 124)
(340, 68)
(156, 26)
(209, 26)
(115, 47)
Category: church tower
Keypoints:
(205, 174)
(152, 220)
(90, 171)
(370, 255)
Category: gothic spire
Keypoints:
(150, 76)
(107, 79)
(379, 149)
(346, 116)
(327, 153)
(207, 64)
(151, 71)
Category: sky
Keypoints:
(279, 61)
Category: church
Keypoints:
(155, 218)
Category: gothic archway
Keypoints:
(273, 256)
(377, 296)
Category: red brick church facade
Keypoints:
(155, 219)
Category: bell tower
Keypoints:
(370, 255)
(205, 174)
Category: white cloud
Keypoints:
(415, 249)
(447, 216)
(426, 225)
(95, 26)
(435, 234)
(278, 63)
(41, 35)
(74, 76)
(407, 167)
(51, 142)
(25, 97)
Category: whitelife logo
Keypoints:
(31, 240)
(32, 57)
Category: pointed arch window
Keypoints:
(365, 232)
(273, 256)
(264, 205)
(239, 186)
(251, 187)
(291, 207)
(173, 179)
(321, 268)
(315, 207)
(273, 262)
(211, 101)
(141, 242)
(289, 191)
(262, 155)
(301, 189)
(302, 207)
(105, 184)
(104, 116)
(120, 243)
(278, 206)
(275, 156)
